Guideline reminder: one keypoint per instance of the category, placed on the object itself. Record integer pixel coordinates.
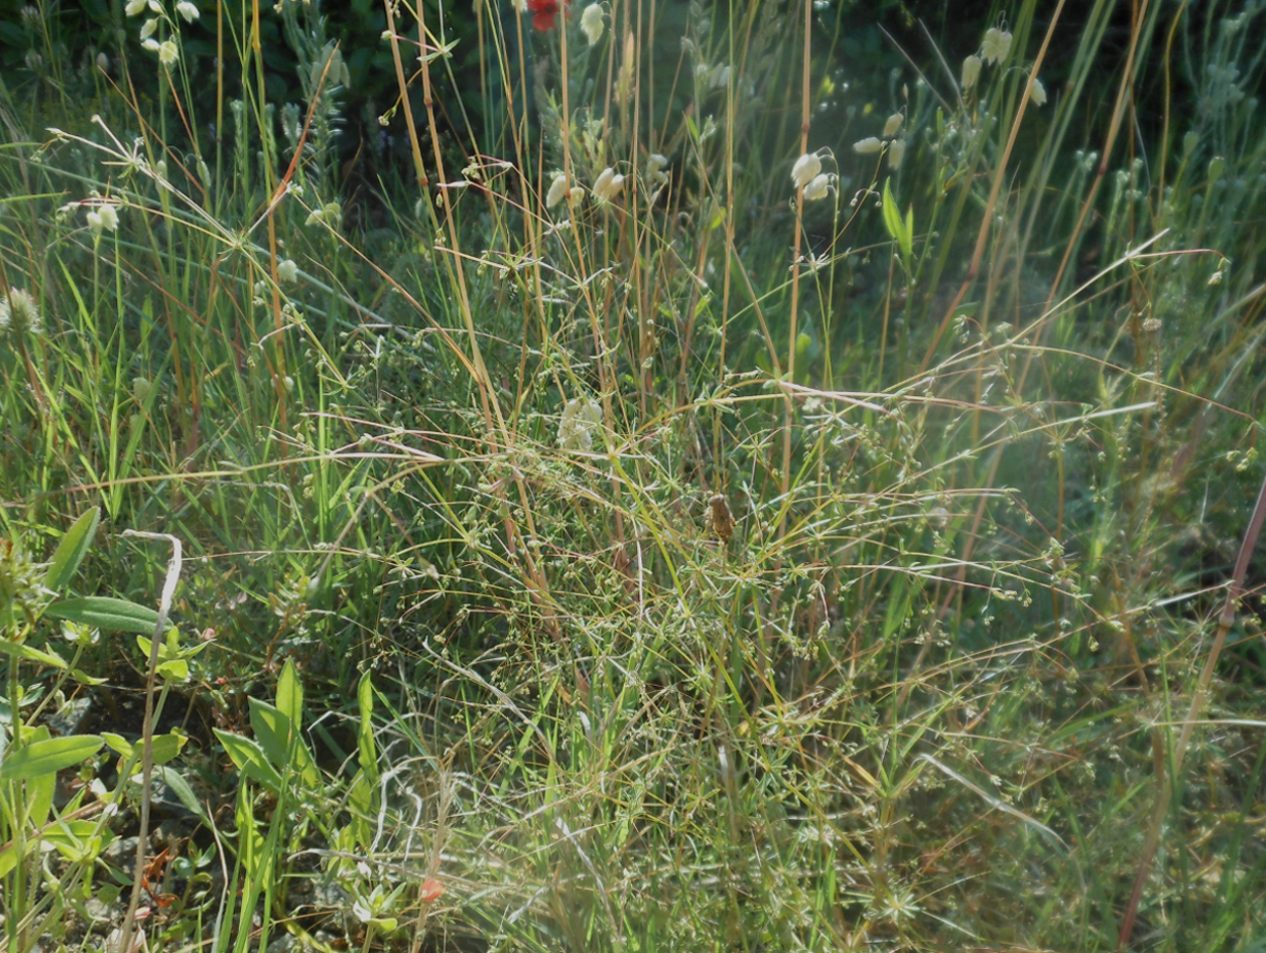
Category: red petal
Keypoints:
(431, 890)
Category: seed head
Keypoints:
(971, 71)
(592, 23)
(996, 45)
(19, 313)
(868, 146)
(608, 184)
(806, 169)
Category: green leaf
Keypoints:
(249, 758)
(18, 650)
(366, 743)
(114, 615)
(290, 694)
(74, 545)
(48, 756)
(900, 229)
(177, 784)
(280, 740)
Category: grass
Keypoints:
(718, 562)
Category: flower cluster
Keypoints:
(19, 312)
(807, 174)
(579, 423)
(168, 50)
(994, 50)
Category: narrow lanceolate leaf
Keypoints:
(49, 756)
(70, 552)
(249, 758)
(104, 612)
(31, 654)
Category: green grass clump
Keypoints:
(733, 476)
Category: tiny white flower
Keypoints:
(608, 184)
(819, 187)
(557, 191)
(592, 23)
(896, 152)
(868, 146)
(996, 45)
(892, 125)
(168, 53)
(1038, 93)
(806, 169)
(135, 7)
(187, 10)
(287, 271)
(971, 71)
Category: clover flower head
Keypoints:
(580, 421)
(19, 312)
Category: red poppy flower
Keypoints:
(545, 12)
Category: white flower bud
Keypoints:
(806, 169)
(971, 71)
(996, 45)
(592, 23)
(819, 187)
(892, 125)
(187, 10)
(1038, 93)
(608, 184)
(896, 152)
(557, 189)
(868, 146)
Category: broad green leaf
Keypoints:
(165, 747)
(290, 694)
(249, 758)
(48, 756)
(31, 654)
(114, 615)
(280, 739)
(118, 744)
(78, 841)
(70, 552)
